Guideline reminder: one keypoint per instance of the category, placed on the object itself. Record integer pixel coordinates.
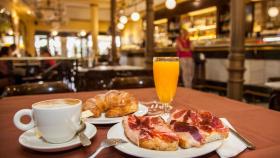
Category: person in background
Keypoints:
(12, 49)
(50, 66)
(4, 67)
(44, 52)
(184, 53)
(5, 74)
(14, 75)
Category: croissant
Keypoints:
(114, 103)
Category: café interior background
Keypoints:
(80, 30)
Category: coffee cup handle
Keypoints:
(19, 115)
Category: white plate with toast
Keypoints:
(117, 131)
(142, 110)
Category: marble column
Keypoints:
(94, 33)
(29, 38)
(149, 43)
(113, 32)
(63, 46)
(15, 23)
(236, 57)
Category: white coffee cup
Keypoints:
(57, 120)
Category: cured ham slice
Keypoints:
(150, 132)
(196, 128)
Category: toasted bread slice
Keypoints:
(150, 133)
(158, 144)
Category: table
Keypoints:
(36, 58)
(111, 68)
(30, 68)
(258, 124)
(273, 85)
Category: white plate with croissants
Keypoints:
(110, 107)
(188, 133)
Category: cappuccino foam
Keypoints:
(56, 103)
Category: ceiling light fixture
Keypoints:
(170, 4)
(2, 10)
(123, 19)
(273, 12)
(83, 33)
(10, 32)
(29, 12)
(54, 33)
(120, 26)
(196, 3)
(121, 11)
(135, 16)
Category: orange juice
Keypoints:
(166, 77)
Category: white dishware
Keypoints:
(142, 110)
(117, 131)
(56, 120)
(29, 140)
(232, 146)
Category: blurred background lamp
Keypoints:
(2, 10)
(196, 3)
(54, 33)
(10, 32)
(121, 11)
(135, 16)
(29, 12)
(123, 19)
(170, 4)
(273, 11)
(83, 33)
(120, 26)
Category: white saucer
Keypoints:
(142, 110)
(29, 140)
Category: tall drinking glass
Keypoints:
(166, 72)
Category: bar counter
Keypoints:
(248, 47)
(36, 58)
(206, 48)
(259, 60)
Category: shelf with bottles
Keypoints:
(161, 33)
(201, 28)
(201, 24)
(173, 29)
(223, 19)
(174, 25)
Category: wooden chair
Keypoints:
(131, 82)
(273, 79)
(45, 75)
(274, 100)
(95, 80)
(256, 93)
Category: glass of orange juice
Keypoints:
(166, 73)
